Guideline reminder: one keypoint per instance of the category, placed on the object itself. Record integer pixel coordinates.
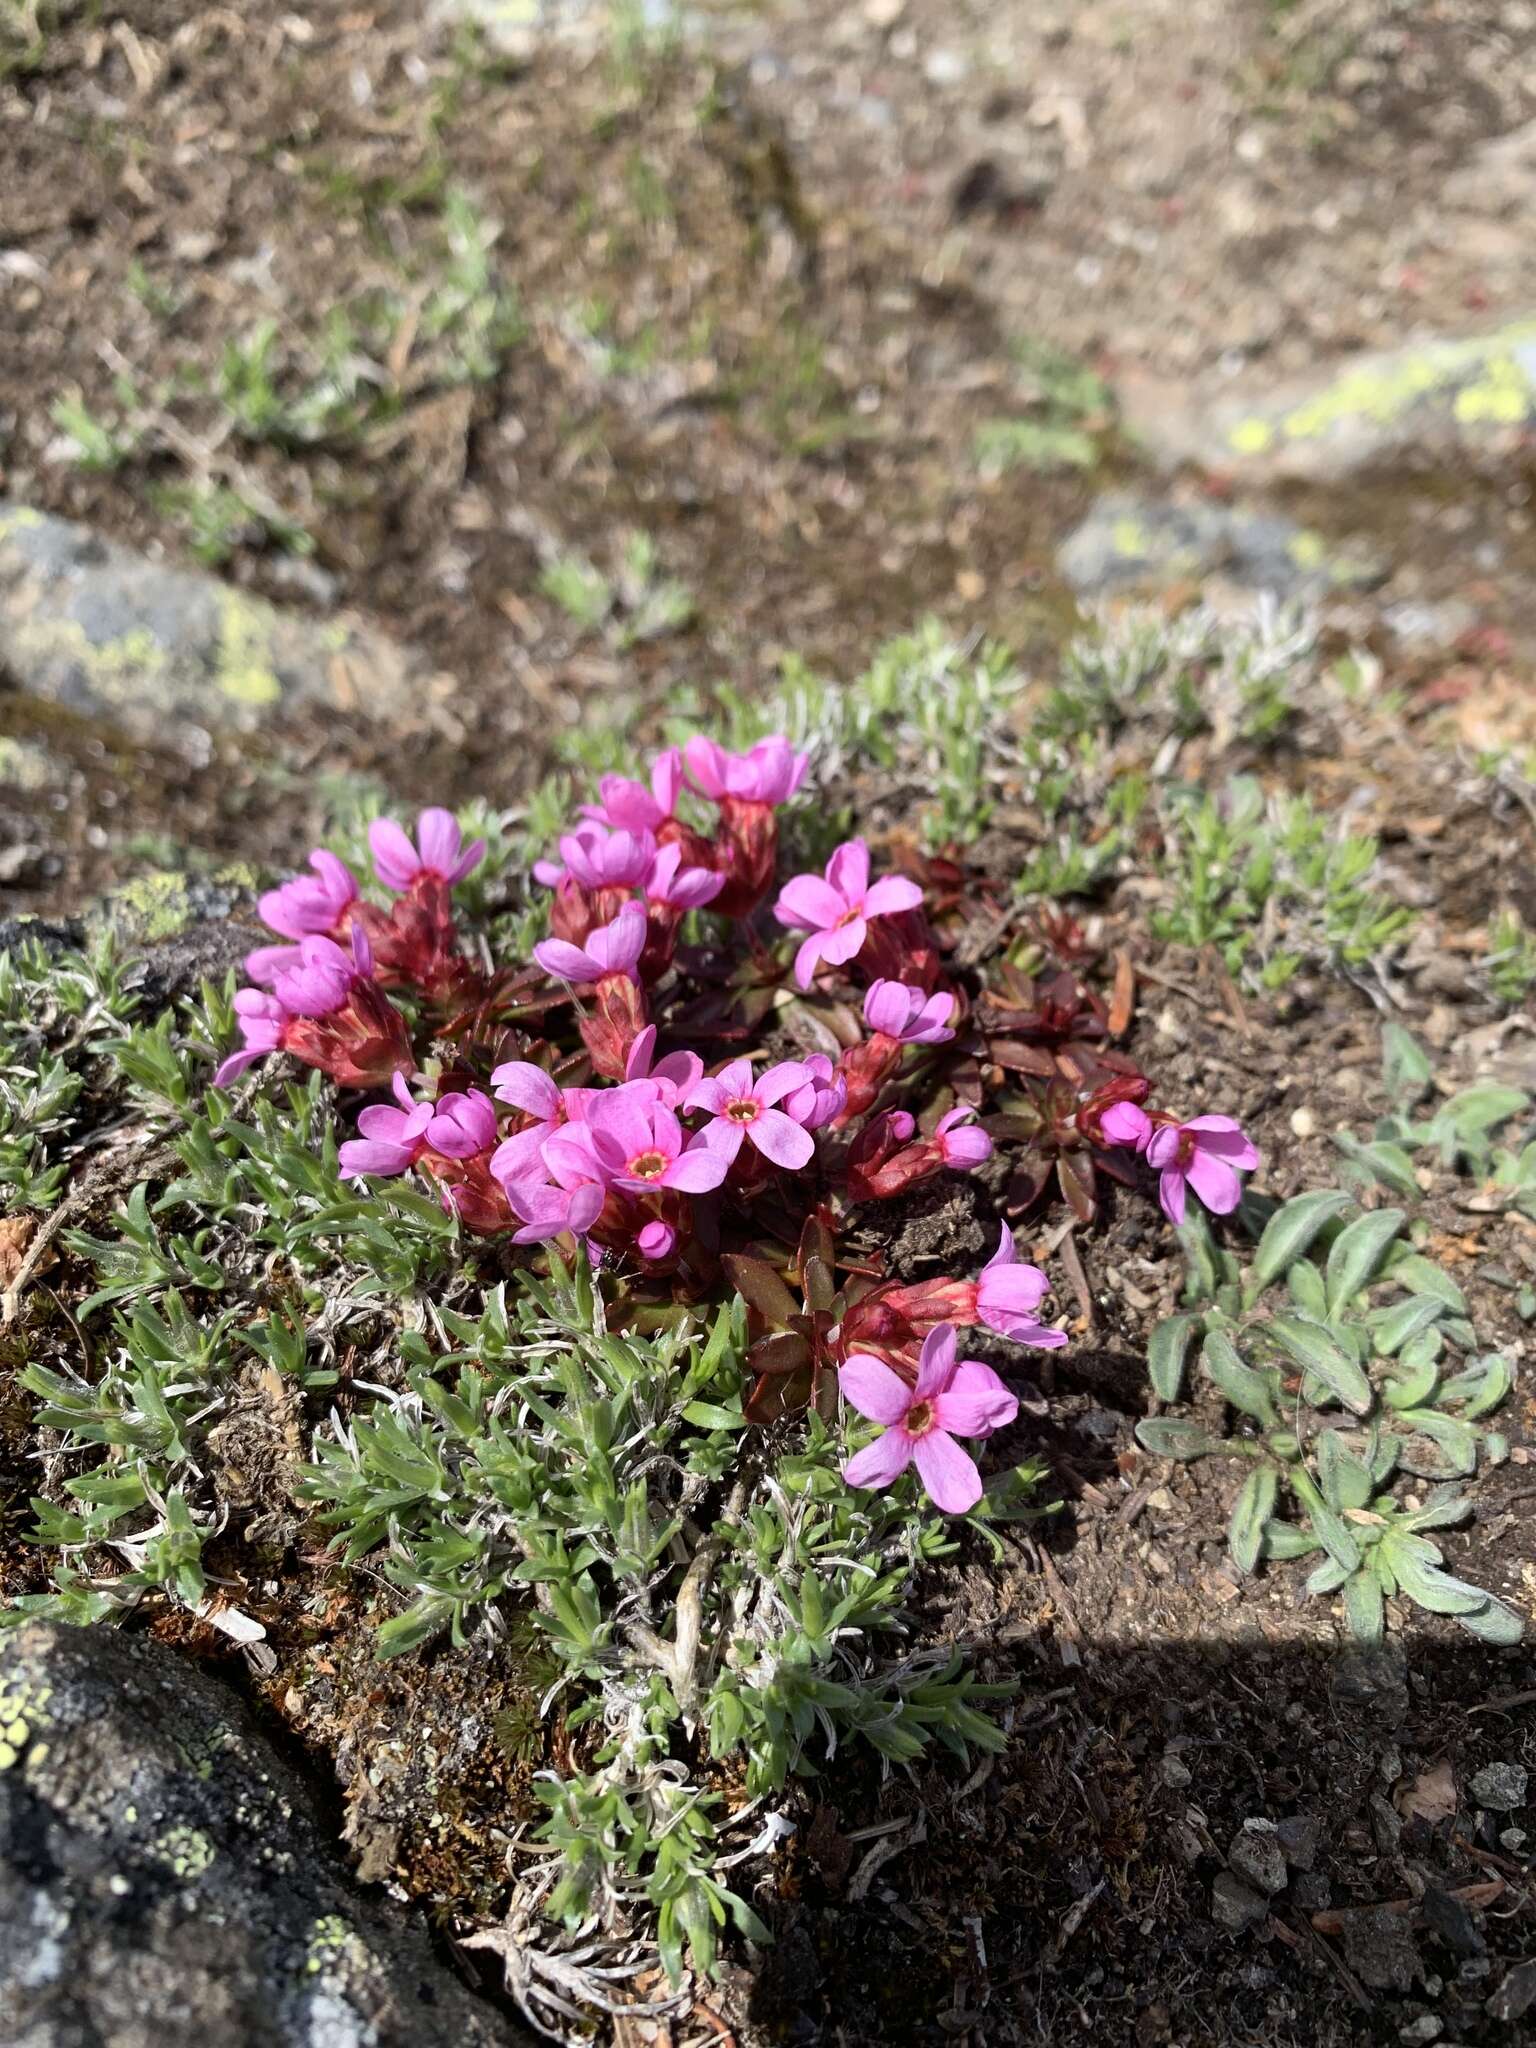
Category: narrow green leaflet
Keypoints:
(1290, 1232)
(1356, 1254)
(1251, 1511)
(1167, 1351)
(1316, 1351)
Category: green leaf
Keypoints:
(1425, 1584)
(1248, 1391)
(1345, 1479)
(1166, 1353)
(1251, 1511)
(1494, 1623)
(1364, 1608)
(1357, 1252)
(1333, 1534)
(1423, 1276)
(1441, 1447)
(1165, 1436)
(1479, 1389)
(1305, 1284)
(1386, 1163)
(1391, 1328)
(1290, 1232)
(1285, 1540)
(1315, 1350)
(1405, 1065)
(1476, 1111)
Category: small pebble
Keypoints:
(1257, 1857)
(1303, 1122)
(1233, 1905)
(1427, 2027)
(1175, 1773)
(1500, 1787)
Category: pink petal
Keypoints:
(777, 1081)
(526, 1087)
(231, 1068)
(1123, 1123)
(1170, 1192)
(564, 962)
(707, 765)
(936, 1362)
(848, 871)
(844, 943)
(1163, 1146)
(697, 1170)
(890, 894)
(467, 861)
(888, 1007)
(874, 1389)
(1007, 1252)
(1013, 1290)
(395, 860)
(667, 780)
(882, 1462)
(780, 1139)
(439, 837)
(809, 901)
(975, 1402)
(623, 1117)
(1226, 1139)
(1215, 1182)
(372, 1155)
(807, 959)
(953, 1482)
(723, 1137)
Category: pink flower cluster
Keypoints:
(664, 1165)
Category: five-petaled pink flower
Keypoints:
(600, 858)
(261, 1018)
(951, 1398)
(768, 773)
(1205, 1154)
(680, 888)
(613, 949)
(639, 1145)
(1126, 1123)
(437, 850)
(1009, 1292)
(744, 1108)
(392, 1139)
(960, 1144)
(837, 907)
(635, 808)
(907, 1014)
(821, 1096)
(310, 903)
(671, 1077)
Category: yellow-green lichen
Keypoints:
(154, 906)
(23, 766)
(186, 1851)
(1307, 549)
(245, 672)
(18, 519)
(1252, 436)
(332, 1943)
(118, 668)
(23, 1711)
(1130, 537)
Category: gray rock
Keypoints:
(1234, 1906)
(1297, 1837)
(1426, 2028)
(1516, 1995)
(1378, 1947)
(1257, 1857)
(1501, 1788)
(170, 654)
(1472, 399)
(165, 1881)
(1129, 541)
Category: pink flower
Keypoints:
(397, 862)
(310, 903)
(907, 1014)
(768, 773)
(744, 1108)
(531, 1090)
(261, 1017)
(1008, 1293)
(635, 808)
(462, 1125)
(951, 1398)
(612, 950)
(553, 1209)
(657, 1240)
(392, 1139)
(314, 977)
(1205, 1154)
(958, 1142)
(671, 1078)
(1124, 1123)
(822, 1096)
(837, 908)
(681, 888)
(639, 1145)
(599, 858)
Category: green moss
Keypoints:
(153, 906)
(186, 1851)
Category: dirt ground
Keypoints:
(769, 286)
